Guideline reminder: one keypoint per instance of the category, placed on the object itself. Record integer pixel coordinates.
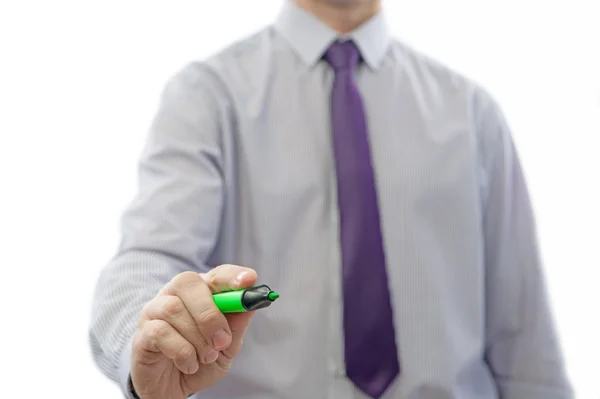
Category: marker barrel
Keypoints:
(245, 300)
(230, 301)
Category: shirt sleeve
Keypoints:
(522, 346)
(171, 225)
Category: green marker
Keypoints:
(245, 300)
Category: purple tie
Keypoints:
(369, 339)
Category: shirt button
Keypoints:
(340, 371)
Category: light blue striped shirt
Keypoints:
(238, 168)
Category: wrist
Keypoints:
(124, 372)
(131, 389)
(132, 394)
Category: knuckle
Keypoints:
(148, 305)
(146, 310)
(187, 280)
(222, 275)
(137, 344)
(186, 352)
(187, 276)
(155, 329)
(173, 306)
(208, 316)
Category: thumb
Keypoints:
(229, 277)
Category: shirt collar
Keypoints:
(310, 37)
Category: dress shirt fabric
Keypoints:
(238, 168)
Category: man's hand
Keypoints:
(183, 343)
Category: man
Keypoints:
(378, 191)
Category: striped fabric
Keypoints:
(238, 168)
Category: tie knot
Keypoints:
(342, 55)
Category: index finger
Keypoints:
(197, 299)
(229, 277)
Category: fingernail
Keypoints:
(193, 367)
(221, 339)
(241, 276)
(211, 356)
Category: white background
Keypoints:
(79, 82)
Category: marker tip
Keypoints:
(273, 295)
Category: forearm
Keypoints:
(526, 358)
(173, 222)
(523, 349)
(126, 284)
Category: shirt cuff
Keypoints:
(520, 390)
(124, 371)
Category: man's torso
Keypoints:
(280, 216)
